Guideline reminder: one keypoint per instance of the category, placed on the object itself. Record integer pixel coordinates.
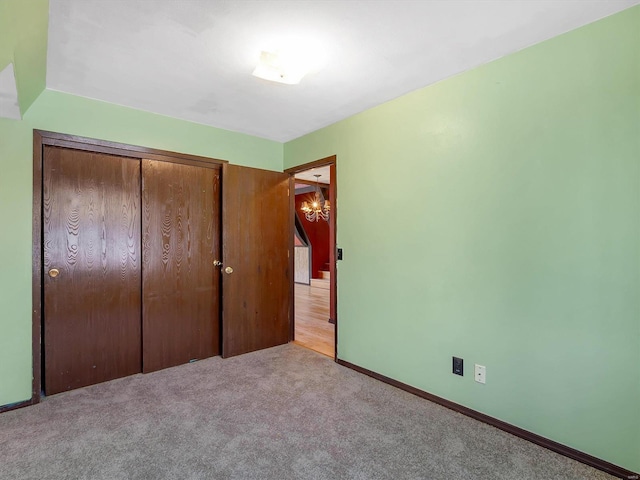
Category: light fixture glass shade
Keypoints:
(277, 67)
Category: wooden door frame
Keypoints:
(42, 138)
(330, 161)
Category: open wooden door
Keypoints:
(255, 271)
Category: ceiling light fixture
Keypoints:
(282, 67)
(318, 208)
(288, 59)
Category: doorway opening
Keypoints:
(313, 212)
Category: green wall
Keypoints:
(23, 42)
(15, 259)
(64, 113)
(496, 216)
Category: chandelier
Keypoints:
(318, 208)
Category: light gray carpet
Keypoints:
(282, 413)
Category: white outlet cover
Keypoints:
(480, 373)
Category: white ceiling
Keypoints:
(308, 175)
(192, 59)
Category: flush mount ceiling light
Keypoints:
(281, 67)
(288, 59)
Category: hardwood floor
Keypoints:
(312, 327)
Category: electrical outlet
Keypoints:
(481, 373)
(458, 366)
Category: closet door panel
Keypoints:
(180, 284)
(91, 234)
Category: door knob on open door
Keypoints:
(54, 272)
(228, 270)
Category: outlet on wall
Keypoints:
(458, 366)
(480, 374)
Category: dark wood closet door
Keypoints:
(181, 285)
(256, 295)
(91, 222)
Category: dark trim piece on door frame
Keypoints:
(572, 453)
(333, 285)
(36, 266)
(43, 138)
(121, 149)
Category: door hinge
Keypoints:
(288, 252)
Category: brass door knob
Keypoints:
(217, 263)
(54, 272)
(228, 270)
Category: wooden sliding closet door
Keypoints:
(91, 227)
(181, 285)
